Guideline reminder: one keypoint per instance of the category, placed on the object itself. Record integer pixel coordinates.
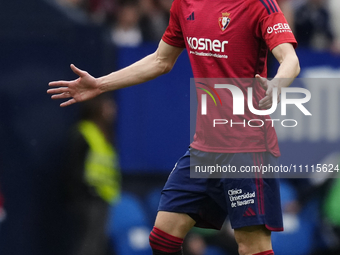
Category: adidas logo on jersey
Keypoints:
(249, 212)
(191, 16)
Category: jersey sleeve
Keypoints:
(271, 25)
(173, 34)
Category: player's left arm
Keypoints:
(289, 69)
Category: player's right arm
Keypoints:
(87, 87)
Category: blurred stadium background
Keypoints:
(39, 40)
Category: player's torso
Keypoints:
(220, 38)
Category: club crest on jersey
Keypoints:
(224, 21)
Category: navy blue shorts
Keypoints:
(247, 201)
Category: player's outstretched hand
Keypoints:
(81, 89)
(267, 101)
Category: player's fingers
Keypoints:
(69, 102)
(265, 106)
(77, 71)
(61, 96)
(266, 101)
(263, 81)
(57, 90)
(269, 91)
(58, 83)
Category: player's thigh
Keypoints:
(253, 239)
(175, 224)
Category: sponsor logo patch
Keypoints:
(279, 28)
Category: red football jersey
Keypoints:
(229, 39)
